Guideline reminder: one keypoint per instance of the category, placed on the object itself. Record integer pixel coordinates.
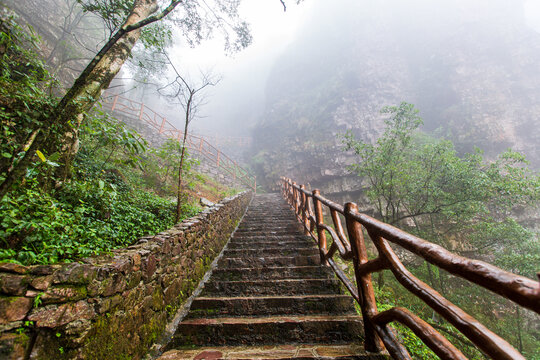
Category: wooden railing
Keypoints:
(378, 335)
(196, 144)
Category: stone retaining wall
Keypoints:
(111, 306)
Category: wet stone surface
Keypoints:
(270, 298)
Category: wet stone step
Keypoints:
(275, 352)
(269, 230)
(231, 262)
(272, 305)
(264, 233)
(266, 221)
(272, 273)
(250, 252)
(247, 244)
(268, 330)
(289, 225)
(269, 237)
(272, 287)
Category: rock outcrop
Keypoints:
(470, 69)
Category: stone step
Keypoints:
(262, 261)
(278, 231)
(276, 352)
(272, 273)
(249, 221)
(268, 330)
(248, 244)
(252, 252)
(283, 237)
(272, 287)
(266, 225)
(269, 298)
(272, 305)
(268, 228)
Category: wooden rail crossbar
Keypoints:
(196, 144)
(378, 335)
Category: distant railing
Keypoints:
(194, 143)
(309, 210)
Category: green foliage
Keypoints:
(100, 209)
(463, 203)
(466, 204)
(113, 12)
(23, 78)
(81, 219)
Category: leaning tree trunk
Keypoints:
(94, 79)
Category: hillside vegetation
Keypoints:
(119, 188)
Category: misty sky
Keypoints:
(273, 30)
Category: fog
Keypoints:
(471, 67)
(419, 51)
(324, 38)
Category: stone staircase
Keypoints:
(269, 298)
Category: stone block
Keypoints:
(41, 282)
(12, 345)
(149, 266)
(13, 268)
(62, 294)
(121, 264)
(136, 259)
(75, 274)
(12, 284)
(111, 285)
(14, 308)
(53, 316)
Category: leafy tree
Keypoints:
(464, 203)
(196, 20)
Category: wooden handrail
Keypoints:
(378, 335)
(195, 143)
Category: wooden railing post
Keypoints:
(114, 103)
(162, 125)
(141, 113)
(305, 207)
(368, 304)
(321, 234)
(295, 199)
(288, 191)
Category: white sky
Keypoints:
(272, 29)
(532, 13)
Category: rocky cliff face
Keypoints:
(472, 71)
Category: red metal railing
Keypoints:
(196, 144)
(309, 210)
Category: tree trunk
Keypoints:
(179, 194)
(518, 326)
(430, 274)
(93, 80)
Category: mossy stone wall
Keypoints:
(111, 306)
